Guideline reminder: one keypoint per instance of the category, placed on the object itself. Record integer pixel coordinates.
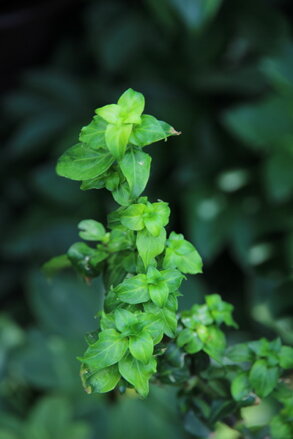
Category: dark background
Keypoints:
(220, 71)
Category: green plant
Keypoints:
(141, 335)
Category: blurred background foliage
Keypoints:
(220, 71)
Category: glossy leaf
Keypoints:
(156, 216)
(132, 105)
(181, 254)
(102, 381)
(93, 135)
(91, 230)
(240, 386)
(82, 163)
(133, 290)
(135, 166)
(150, 246)
(132, 217)
(262, 378)
(150, 130)
(110, 113)
(117, 137)
(141, 346)
(137, 373)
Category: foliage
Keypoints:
(139, 338)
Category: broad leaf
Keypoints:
(108, 350)
(124, 319)
(168, 318)
(110, 113)
(137, 373)
(262, 378)
(101, 381)
(240, 387)
(153, 324)
(159, 293)
(135, 166)
(122, 194)
(133, 290)
(156, 216)
(150, 130)
(286, 357)
(93, 135)
(173, 278)
(82, 163)
(141, 346)
(181, 254)
(149, 246)
(132, 217)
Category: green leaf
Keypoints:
(240, 387)
(150, 130)
(56, 264)
(82, 163)
(93, 135)
(124, 319)
(110, 113)
(101, 381)
(93, 183)
(159, 293)
(91, 230)
(168, 318)
(122, 194)
(181, 254)
(108, 350)
(132, 105)
(137, 373)
(141, 346)
(156, 216)
(132, 217)
(214, 340)
(133, 290)
(239, 353)
(149, 246)
(173, 278)
(194, 345)
(184, 336)
(135, 166)
(286, 357)
(117, 137)
(263, 378)
(153, 324)
(221, 311)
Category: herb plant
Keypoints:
(141, 336)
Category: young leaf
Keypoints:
(156, 216)
(194, 345)
(239, 353)
(181, 254)
(135, 166)
(93, 135)
(108, 350)
(240, 386)
(132, 217)
(124, 319)
(137, 373)
(286, 357)
(91, 230)
(153, 324)
(122, 194)
(159, 293)
(150, 130)
(262, 378)
(184, 336)
(141, 346)
(132, 105)
(93, 183)
(133, 290)
(173, 278)
(168, 318)
(85, 258)
(82, 163)
(117, 137)
(150, 246)
(110, 113)
(101, 381)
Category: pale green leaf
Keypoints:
(141, 346)
(93, 135)
(150, 246)
(117, 137)
(133, 290)
(150, 130)
(135, 166)
(91, 230)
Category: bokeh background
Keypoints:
(220, 71)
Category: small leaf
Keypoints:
(122, 194)
(286, 357)
(132, 105)
(173, 278)
(184, 336)
(150, 130)
(133, 290)
(135, 166)
(91, 230)
(194, 345)
(137, 373)
(167, 317)
(156, 216)
(141, 346)
(153, 324)
(93, 135)
(150, 246)
(181, 254)
(101, 381)
(110, 113)
(108, 350)
(240, 387)
(132, 217)
(117, 137)
(240, 353)
(263, 378)
(82, 163)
